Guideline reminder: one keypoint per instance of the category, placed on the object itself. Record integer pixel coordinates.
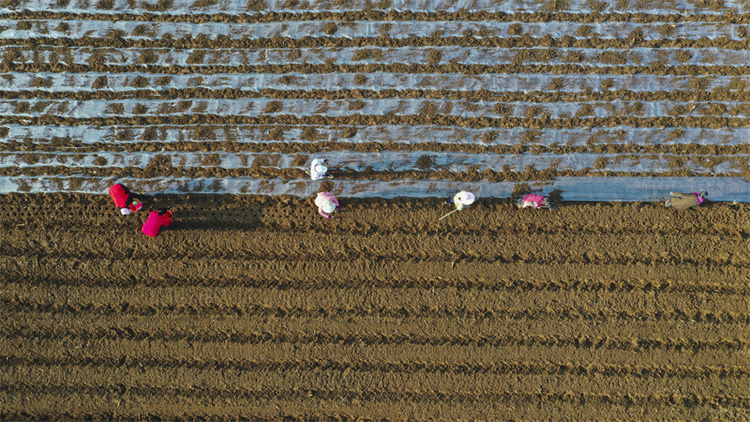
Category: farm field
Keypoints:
(251, 306)
(255, 307)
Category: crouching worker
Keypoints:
(318, 170)
(124, 199)
(533, 200)
(463, 199)
(157, 220)
(327, 204)
(683, 201)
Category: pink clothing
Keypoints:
(330, 197)
(534, 199)
(155, 222)
(699, 198)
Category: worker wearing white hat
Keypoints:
(327, 204)
(318, 169)
(463, 199)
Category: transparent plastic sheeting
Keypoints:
(367, 29)
(79, 109)
(485, 56)
(572, 188)
(256, 82)
(511, 6)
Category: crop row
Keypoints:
(293, 138)
(361, 165)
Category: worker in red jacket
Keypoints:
(124, 199)
(157, 220)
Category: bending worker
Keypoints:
(533, 200)
(327, 204)
(124, 199)
(463, 199)
(155, 222)
(318, 169)
(683, 201)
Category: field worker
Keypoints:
(683, 201)
(463, 199)
(534, 201)
(318, 169)
(124, 199)
(327, 204)
(157, 220)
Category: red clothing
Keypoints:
(123, 198)
(155, 222)
(119, 195)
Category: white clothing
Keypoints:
(325, 204)
(317, 169)
(464, 198)
(125, 211)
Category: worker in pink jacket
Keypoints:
(157, 220)
(124, 199)
(327, 204)
(533, 200)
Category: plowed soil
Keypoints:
(257, 308)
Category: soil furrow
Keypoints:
(458, 355)
(502, 389)
(498, 368)
(292, 276)
(581, 341)
(343, 326)
(125, 308)
(551, 248)
(95, 406)
(514, 304)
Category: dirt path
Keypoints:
(259, 308)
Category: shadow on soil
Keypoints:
(208, 212)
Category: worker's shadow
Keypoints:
(210, 212)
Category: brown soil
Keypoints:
(258, 308)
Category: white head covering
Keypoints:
(125, 211)
(325, 204)
(464, 198)
(317, 169)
